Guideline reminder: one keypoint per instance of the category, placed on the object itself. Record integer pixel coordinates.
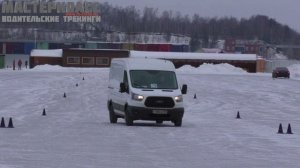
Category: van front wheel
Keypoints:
(178, 122)
(128, 119)
(112, 116)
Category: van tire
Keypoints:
(178, 122)
(112, 116)
(128, 118)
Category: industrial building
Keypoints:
(102, 58)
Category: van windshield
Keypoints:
(153, 79)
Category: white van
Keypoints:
(144, 89)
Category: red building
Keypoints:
(246, 47)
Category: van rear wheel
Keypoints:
(112, 116)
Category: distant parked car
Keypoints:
(281, 72)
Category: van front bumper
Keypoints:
(141, 113)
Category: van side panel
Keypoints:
(116, 74)
(115, 78)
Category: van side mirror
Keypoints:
(184, 89)
(123, 87)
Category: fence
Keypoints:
(9, 58)
(272, 64)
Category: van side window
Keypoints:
(125, 81)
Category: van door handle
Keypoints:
(110, 87)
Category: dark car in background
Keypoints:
(281, 72)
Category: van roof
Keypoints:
(146, 64)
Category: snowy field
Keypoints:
(76, 132)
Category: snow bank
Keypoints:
(294, 71)
(280, 56)
(57, 68)
(201, 56)
(211, 69)
(186, 69)
(46, 53)
(47, 68)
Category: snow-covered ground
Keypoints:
(295, 71)
(76, 131)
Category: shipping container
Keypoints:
(176, 48)
(69, 45)
(28, 47)
(2, 63)
(17, 48)
(165, 47)
(102, 45)
(43, 45)
(55, 46)
(9, 48)
(185, 48)
(1, 48)
(91, 45)
(152, 47)
(115, 46)
(140, 47)
(128, 46)
(4, 48)
(111, 46)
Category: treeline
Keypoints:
(203, 31)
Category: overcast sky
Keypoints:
(284, 11)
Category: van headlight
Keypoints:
(178, 98)
(137, 97)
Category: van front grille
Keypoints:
(159, 102)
